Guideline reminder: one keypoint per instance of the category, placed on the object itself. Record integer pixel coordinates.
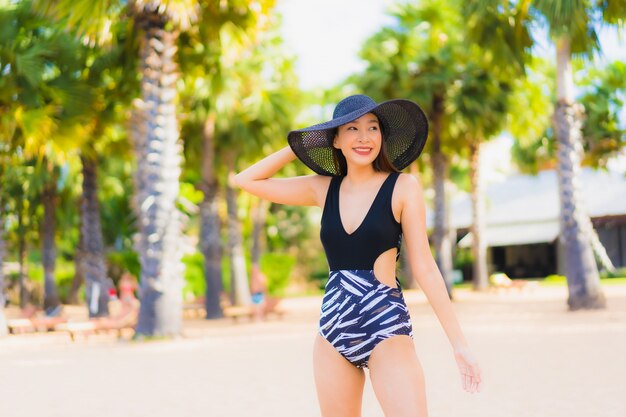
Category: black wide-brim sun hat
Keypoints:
(403, 123)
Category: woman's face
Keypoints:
(360, 140)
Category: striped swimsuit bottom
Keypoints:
(358, 312)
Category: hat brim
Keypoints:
(404, 124)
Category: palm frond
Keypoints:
(568, 18)
(75, 96)
(31, 63)
(36, 126)
(613, 12)
(89, 19)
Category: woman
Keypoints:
(368, 206)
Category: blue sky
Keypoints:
(326, 36)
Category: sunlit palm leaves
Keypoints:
(605, 96)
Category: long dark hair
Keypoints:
(381, 163)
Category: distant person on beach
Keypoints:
(258, 287)
(369, 207)
(127, 287)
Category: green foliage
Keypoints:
(463, 258)
(64, 275)
(122, 261)
(554, 278)
(286, 226)
(226, 274)
(277, 268)
(320, 277)
(618, 273)
(603, 99)
(195, 284)
(602, 92)
(64, 286)
(537, 154)
(236, 72)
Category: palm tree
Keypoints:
(3, 322)
(48, 229)
(18, 196)
(108, 74)
(259, 215)
(92, 246)
(35, 67)
(239, 90)
(265, 77)
(158, 152)
(201, 53)
(240, 289)
(571, 26)
(480, 108)
(535, 146)
(29, 113)
(157, 148)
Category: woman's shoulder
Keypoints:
(408, 186)
(407, 181)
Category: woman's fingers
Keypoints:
(470, 378)
(469, 370)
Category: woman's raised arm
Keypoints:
(309, 190)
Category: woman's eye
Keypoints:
(374, 128)
(352, 128)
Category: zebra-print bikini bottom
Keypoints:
(358, 312)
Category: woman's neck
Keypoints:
(361, 175)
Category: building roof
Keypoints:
(516, 234)
(524, 209)
(535, 198)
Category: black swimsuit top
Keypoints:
(378, 232)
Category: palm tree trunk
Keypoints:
(259, 212)
(92, 257)
(48, 250)
(21, 256)
(409, 281)
(598, 248)
(479, 247)
(210, 233)
(159, 157)
(239, 274)
(79, 274)
(3, 321)
(583, 280)
(441, 237)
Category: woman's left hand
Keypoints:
(468, 368)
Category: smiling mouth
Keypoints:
(362, 151)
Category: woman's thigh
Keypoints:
(397, 378)
(339, 383)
